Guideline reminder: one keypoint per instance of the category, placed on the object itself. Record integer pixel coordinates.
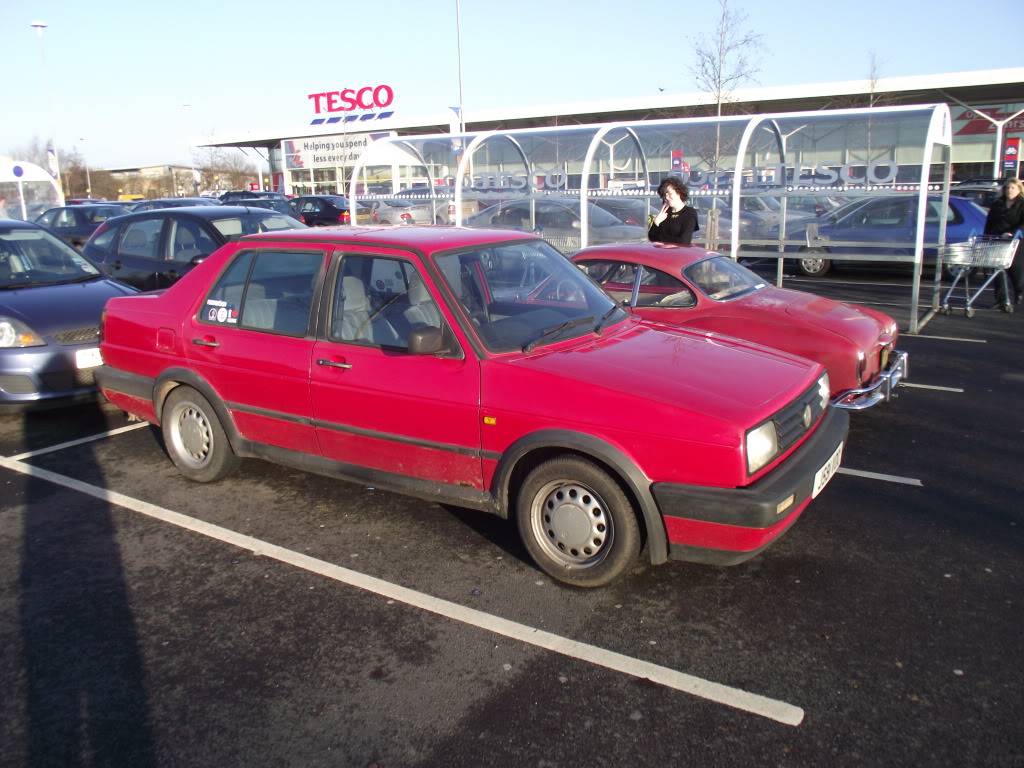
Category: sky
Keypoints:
(140, 82)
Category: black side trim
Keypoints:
(588, 445)
(121, 381)
(280, 415)
(690, 554)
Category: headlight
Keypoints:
(14, 333)
(762, 446)
(824, 388)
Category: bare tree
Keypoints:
(222, 169)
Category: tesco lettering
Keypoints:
(348, 99)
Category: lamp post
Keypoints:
(88, 181)
(458, 54)
(39, 27)
(191, 157)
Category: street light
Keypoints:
(191, 156)
(39, 27)
(88, 181)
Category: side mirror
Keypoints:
(195, 261)
(428, 341)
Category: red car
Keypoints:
(691, 287)
(478, 368)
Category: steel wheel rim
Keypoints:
(572, 524)
(191, 435)
(812, 265)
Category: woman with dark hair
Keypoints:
(1005, 217)
(676, 221)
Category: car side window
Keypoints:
(189, 240)
(141, 238)
(104, 241)
(660, 289)
(887, 214)
(66, 218)
(616, 277)
(47, 218)
(379, 301)
(266, 291)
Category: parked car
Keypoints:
(270, 203)
(75, 223)
(557, 221)
(83, 200)
(171, 202)
(153, 249)
(981, 193)
(50, 304)
(886, 226)
(322, 210)
(478, 368)
(699, 289)
(235, 195)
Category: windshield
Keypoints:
(31, 257)
(721, 278)
(234, 227)
(523, 294)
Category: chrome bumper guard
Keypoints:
(882, 389)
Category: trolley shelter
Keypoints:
(26, 190)
(764, 185)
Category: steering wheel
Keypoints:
(567, 290)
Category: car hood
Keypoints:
(852, 323)
(732, 381)
(49, 309)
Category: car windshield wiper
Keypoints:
(84, 278)
(604, 318)
(547, 333)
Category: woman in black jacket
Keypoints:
(1005, 217)
(676, 221)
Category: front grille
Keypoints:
(14, 384)
(78, 335)
(789, 422)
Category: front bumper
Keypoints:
(725, 526)
(38, 378)
(882, 389)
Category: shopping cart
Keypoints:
(984, 253)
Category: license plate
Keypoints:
(823, 475)
(88, 358)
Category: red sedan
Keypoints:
(691, 287)
(478, 368)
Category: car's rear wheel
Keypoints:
(812, 264)
(194, 437)
(577, 523)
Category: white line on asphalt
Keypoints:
(753, 703)
(941, 338)
(930, 386)
(80, 441)
(879, 476)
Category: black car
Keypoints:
(50, 303)
(270, 203)
(153, 249)
(323, 210)
(75, 223)
(236, 195)
(172, 202)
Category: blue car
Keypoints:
(51, 299)
(873, 224)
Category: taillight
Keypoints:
(406, 218)
(303, 219)
(103, 320)
(344, 217)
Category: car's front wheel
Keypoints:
(812, 264)
(577, 523)
(194, 437)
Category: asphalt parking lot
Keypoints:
(283, 619)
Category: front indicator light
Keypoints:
(762, 446)
(14, 334)
(824, 388)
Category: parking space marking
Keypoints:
(879, 476)
(931, 386)
(80, 441)
(736, 698)
(942, 338)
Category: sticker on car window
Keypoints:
(220, 312)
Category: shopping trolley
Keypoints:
(987, 253)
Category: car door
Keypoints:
(189, 241)
(375, 403)
(250, 339)
(65, 225)
(138, 253)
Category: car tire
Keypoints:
(194, 437)
(577, 522)
(815, 265)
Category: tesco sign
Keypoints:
(348, 99)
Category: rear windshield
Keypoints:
(233, 227)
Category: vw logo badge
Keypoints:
(807, 416)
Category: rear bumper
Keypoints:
(881, 390)
(725, 526)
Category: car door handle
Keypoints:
(333, 364)
(205, 343)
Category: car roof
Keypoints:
(202, 211)
(19, 224)
(668, 257)
(427, 239)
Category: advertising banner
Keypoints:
(333, 151)
(967, 122)
(1011, 155)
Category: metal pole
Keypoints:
(39, 26)
(88, 181)
(458, 52)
